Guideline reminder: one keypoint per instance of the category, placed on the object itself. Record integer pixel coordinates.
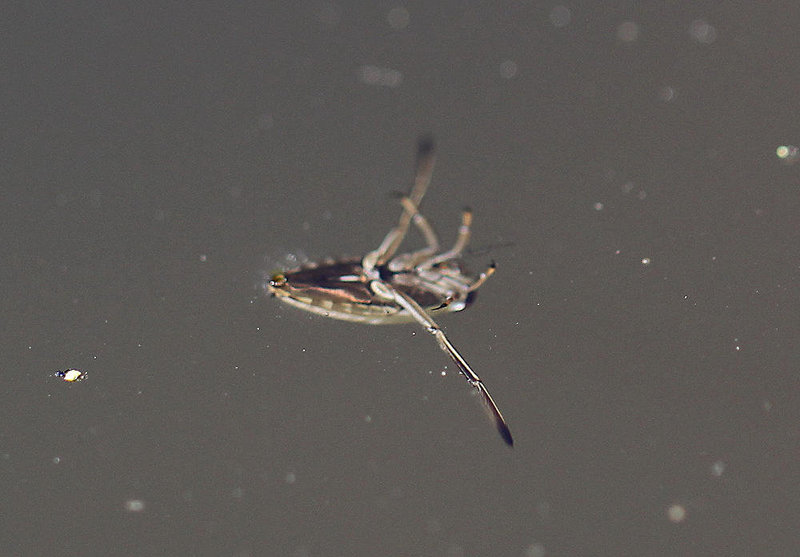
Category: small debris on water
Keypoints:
(71, 375)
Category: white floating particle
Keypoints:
(667, 94)
(398, 18)
(702, 32)
(535, 550)
(646, 261)
(508, 69)
(717, 468)
(676, 513)
(378, 76)
(628, 31)
(134, 505)
(789, 154)
(560, 16)
(71, 375)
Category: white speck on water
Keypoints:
(134, 505)
(667, 94)
(560, 16)
(702, 32)
(789, 154)
(535, 550)
(717, 468)
(628, 31)
(398, 18)
(378, 76)
(508, 69)
(676, 513)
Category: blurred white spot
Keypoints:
(676, 513)
(203, 257)
(646, 261)
(667, 94)
(290, 478)
(535, 550)
(598, 206)
(628, 31)
(789, 154)
(56, 459)
(375, 75)
(134, 505)
(702, 32)
(398, 18)
(560, 16)
(717, 468)
(508, 69)
(368, 418)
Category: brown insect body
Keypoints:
(341, 290)
(385, 288)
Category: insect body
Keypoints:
(383, 287)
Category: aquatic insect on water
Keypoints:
(384, 287)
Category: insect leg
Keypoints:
(483, 277)
(461, 242)
(421, 316)
(392, 241)
(411, 260)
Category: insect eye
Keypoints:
(277, 280)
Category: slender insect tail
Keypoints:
(494, 413)
(475, 381)
(424, 319)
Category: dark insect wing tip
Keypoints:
(494, 414)
(425, 145)
(505, 433)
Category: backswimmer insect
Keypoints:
(385, 288)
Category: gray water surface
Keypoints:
(640, 334)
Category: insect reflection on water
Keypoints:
(384, 287)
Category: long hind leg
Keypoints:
(421, 316)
